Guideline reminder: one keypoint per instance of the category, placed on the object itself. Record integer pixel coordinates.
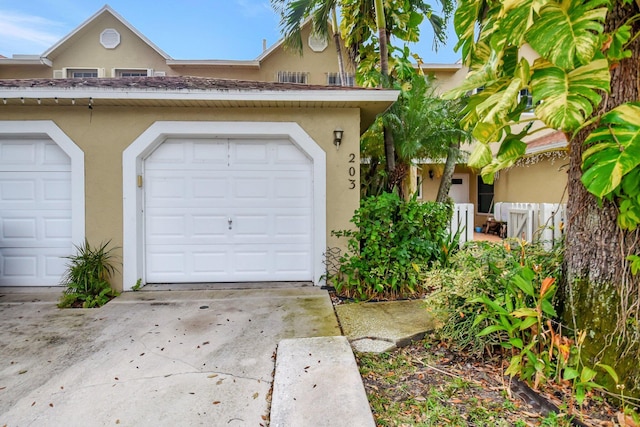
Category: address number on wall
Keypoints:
(352, 171)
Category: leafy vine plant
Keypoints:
(577, 46)
(567, 82)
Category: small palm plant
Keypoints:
(87, 277)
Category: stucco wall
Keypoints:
(540, 182)
(84, 50)
(104, 132)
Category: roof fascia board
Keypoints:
(204, 95)
(106, 8)
(213, 62)
(26, 61)
(554, 146)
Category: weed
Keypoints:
(87, 277)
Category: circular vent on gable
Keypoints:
(317, 43)
(110, 38)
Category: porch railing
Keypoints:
(462, 219)
(533, 221)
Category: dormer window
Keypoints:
(292, 77)
(131, 73)
(82, 73)
(333, 79)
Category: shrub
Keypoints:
(393, 241)
(87, 277)
(482, 270)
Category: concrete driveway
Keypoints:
(178, 358)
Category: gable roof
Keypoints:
(105, 9)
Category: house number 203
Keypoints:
(352, 171)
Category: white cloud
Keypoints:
(18, 30)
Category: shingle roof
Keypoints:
(170, 83)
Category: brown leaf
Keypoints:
(216, 402)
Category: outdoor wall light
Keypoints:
(337, 137)
(430, 173)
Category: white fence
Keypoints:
(532, 221)
(462, 219)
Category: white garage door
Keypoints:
(219, 210)
(35, 212)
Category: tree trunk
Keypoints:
(597, 278)
(338, 41)
(449, 168)
(389, 145)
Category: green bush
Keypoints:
(483, 270)
(87, 277)
(393, 241)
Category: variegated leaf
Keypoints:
(615, 151)
(568, 32)
(464, 22)
(568, 98)
(520, 18)
(480, 156)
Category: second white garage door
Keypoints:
(219, 210)
(35, 212)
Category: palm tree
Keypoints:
(358, 19)
(293, 14)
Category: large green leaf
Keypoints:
(511, 150)
(480, 156)
(566, 99)
(520, 18)
(464, 22)
(567, 32)
(616, 149)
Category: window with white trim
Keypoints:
(131, 73)
(82, 73)
(292, 77)
(333, 79)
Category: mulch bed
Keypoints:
(436, 366)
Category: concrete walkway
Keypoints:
(178, 358)
(383, 326)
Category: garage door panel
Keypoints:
(250, 188)
(209, 187)
(56, 190)
(289, 154)
(292, 262)
(57, 228)
(293, 226)
(29, 267)
(33, 230)
(13, 190)
(210, 226)
(262, 187)
(210, 153)
(249, 153)
(166, 225)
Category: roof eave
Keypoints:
(212, 63)
(21, 61)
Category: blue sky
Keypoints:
(184, 29)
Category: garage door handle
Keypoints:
(230, 221)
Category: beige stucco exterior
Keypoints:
(103, 133)
(544, 178)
